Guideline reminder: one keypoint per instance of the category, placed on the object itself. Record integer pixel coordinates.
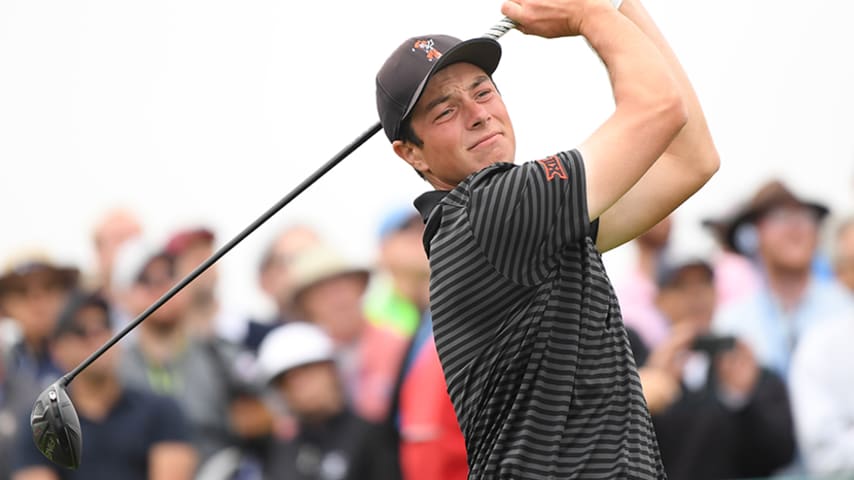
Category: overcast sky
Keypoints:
(210, 111)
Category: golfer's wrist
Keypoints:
(599, 23)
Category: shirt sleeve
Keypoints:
(522, 217)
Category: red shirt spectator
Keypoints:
(432, 445)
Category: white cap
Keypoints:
(131, 259)
(293, 345)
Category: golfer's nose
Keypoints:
(476, 114)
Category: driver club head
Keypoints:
(56, 428)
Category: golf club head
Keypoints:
(56, 428)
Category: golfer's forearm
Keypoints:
(694, 142)
(649, 110)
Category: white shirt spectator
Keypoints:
(822, 393)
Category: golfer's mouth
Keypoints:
(485, 141)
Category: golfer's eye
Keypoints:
(444, 113)
(483, 94)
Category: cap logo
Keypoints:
(428, 47)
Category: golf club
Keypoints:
(54, 421)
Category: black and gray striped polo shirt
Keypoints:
(528, 328)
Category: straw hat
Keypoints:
(320, 263)
(25, 262)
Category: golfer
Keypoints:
(525, 319)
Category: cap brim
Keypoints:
(68, 276)
(271, 377)
(484, 52)
(361, 274)
(670, 273)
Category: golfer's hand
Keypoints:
(552, 18)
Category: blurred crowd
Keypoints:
(740, 350)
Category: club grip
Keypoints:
(499, 29)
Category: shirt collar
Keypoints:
(427, 201)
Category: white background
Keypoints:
(210, 111)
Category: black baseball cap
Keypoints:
(68, 321)
(405, 73)
(669, 268)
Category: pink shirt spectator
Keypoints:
(636, 294)
(373, 372)
(736, 277)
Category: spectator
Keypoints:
(431, 443)
(822, 388)
(792, 297)
(398, 296)
(125, 295)
(114, 228)
(328, 291)
(636, 292)
(843, 253)
(727, 417)
(33, 290)
(432, 446)
(275, 279)
(206, 314)
(821, 381)
(165, 359)
(189, 248)
(332, 442)
(220, 329)
(127, 434)
(736, 272)
(16, 399)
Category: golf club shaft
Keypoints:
(497, 30)
(226, 248)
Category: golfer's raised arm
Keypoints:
(649, 109)
(688, 163)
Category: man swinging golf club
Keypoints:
(54, 421)
(526, 322)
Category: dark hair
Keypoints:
(77, 301)
(407, 134)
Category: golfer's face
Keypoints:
(463, 123)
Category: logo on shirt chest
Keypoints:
(553, 168)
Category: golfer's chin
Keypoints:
(495, 145)
(500, 152)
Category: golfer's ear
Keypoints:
(410, 154)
